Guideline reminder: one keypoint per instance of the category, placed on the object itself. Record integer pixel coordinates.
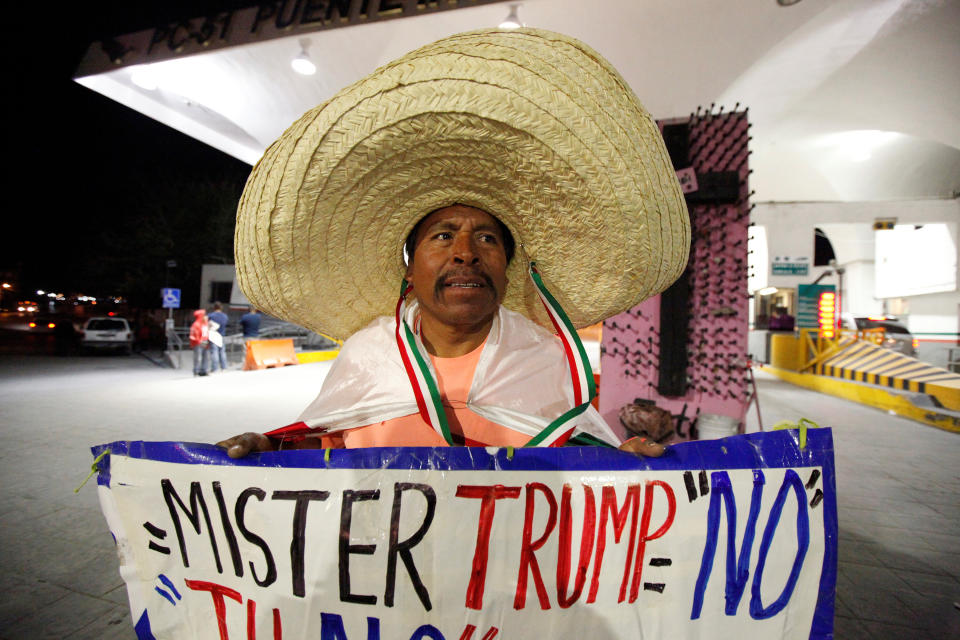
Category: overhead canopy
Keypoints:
(849, 99)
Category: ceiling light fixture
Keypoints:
(144, 77)
(787, 3)
(512, 20)
(302, 64)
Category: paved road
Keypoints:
(59, 574)
(898, 483)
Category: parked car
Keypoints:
(107, 333)
(896, 336)
(42, 323)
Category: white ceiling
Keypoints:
(849, 99)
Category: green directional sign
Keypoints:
(791, 268)
(784, 266)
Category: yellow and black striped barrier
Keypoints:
(863, 371)
(867, 362)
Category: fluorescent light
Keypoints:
(512, 20)
(144, 77)
(303, 65)
(767, 291)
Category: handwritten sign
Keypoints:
(723, 539)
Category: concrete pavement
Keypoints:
(898, 482)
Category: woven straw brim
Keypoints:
(531, 126)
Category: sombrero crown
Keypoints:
(531, 126)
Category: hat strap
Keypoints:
(427, 393)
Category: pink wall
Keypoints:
(717, 344)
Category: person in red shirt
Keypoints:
(200, 342)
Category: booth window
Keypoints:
(822, 249)
(220, 291)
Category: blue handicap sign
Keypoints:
(171, 298)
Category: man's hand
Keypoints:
(644, 447)
(240, 446)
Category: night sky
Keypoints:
(80, 167)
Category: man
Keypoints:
(455, 162)
(250, 324)
(457, 268)
(218, 329)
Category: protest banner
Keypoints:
(729, 538)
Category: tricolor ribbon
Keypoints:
(425, 388)
(427, 393)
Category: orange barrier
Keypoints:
(262, 354)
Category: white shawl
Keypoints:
(522, 380)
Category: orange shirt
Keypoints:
(454, 376)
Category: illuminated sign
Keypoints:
(808, 304)
(827, 314)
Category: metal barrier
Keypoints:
(234, 347)
(953, 359)
(235, 344)
(174, 345)
(815, 347)
(302, 338)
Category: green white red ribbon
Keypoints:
(427, 393)
(581, 374)
(424, 386)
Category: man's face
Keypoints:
(458, 269)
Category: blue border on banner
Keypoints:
(772, 449)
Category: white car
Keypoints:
(107, 333)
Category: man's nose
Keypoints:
(464, 251)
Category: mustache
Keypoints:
(441, 282)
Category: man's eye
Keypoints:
(443, 235)
(489, 237)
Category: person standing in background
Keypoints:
(199, 342)
(250, 322)
(218, 329)
(781, 320)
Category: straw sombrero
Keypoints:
(531, 126)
